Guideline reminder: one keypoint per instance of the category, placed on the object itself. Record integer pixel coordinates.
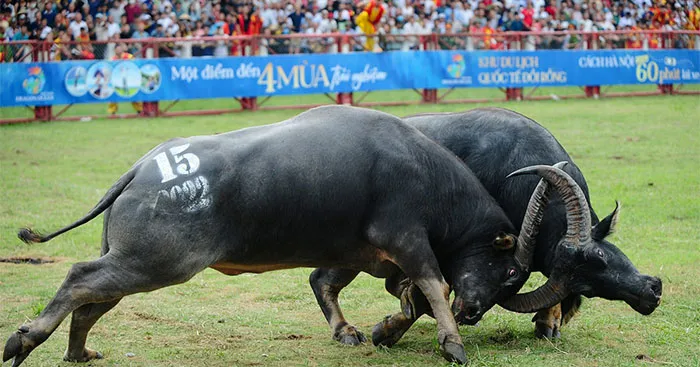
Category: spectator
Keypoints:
(515, 24)
(116, 11)
(528, 15)
(77, 24)
(121, 19)
(48, 13)
(139, 33)
(132, 11)
(63, 47)
(44, 30)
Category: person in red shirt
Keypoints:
(551, 10)
(662, 14)
(528, 15)
(368, 19)
(132, 11)
(256, 24)
(634, 41)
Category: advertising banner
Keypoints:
(69, 82)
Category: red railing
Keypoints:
(30, 51)
(262, 45)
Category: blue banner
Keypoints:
(69, 82)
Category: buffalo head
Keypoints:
(491, 274)
(494, 269)
(585, 263)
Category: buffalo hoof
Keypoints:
(454, 352)
(546, 332)
(390, 330)
(87, 355)
(18, 346)
(349, 335)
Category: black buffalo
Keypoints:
(577, 260)
(333, 187)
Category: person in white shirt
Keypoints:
(101, 30)
(577, 15)
(45, 29)
(116, 10)
(407, 11)
(429, 5)
(410, 28)
(112, 27)
(627, 20)
(164, 21)
(268, 16)
(326, 25)
(77, 24)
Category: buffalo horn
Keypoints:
(525, 248)
(578, 218)
(578, 215)
(546, 296)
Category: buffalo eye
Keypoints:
(599, 252)
(512, 272)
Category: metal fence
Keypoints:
(262, 45)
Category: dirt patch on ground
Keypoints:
(27, 260)
(292, 337)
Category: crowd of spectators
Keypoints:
(70, 25)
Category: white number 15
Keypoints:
(166, 170)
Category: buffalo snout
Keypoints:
(467, 312)
(649, 297)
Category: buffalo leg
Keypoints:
(421, 266)
(413, 305)
(327, 284)
(106, 279)
(83, 319)
(547, 322)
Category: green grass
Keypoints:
(642, 151)
(100, 109)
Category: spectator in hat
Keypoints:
(368, 19)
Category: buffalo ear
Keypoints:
(504, 241)
(607, 226)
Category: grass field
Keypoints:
(642, 151)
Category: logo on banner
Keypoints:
(76, 81)
(150, 78)
(457, 69)
(98, 80)
(34, 82)
(33, 85)
(126, 79)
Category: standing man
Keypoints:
(368, 19)
(120, 53)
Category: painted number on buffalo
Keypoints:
(188, 167)
(193, 195)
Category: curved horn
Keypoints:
(578, 218)
(525, 248)
(546, 296)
